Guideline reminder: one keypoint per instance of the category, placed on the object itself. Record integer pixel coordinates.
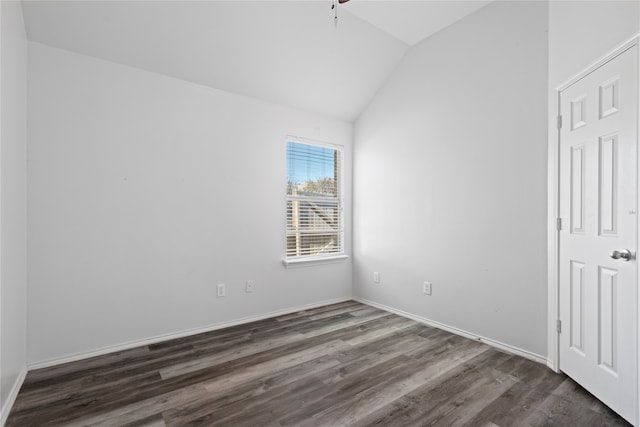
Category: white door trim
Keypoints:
(553, 311)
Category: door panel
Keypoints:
(598, 192)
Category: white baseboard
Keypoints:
(11, 398)
(502, 346)
(159, 338)
(553, 367)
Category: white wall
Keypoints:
(450, 179)
(13, 140)
(580, 33)
(146, 191)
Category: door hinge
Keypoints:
(558, 326)
(558, 224)
(559, 122)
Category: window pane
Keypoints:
(311, 169)
(314, 211)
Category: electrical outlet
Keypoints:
(221, 290)
(248, 287)
(376, 277)
(426, 288)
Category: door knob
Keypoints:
(624, 254)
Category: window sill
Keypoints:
(307, 262)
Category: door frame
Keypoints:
(553, 241)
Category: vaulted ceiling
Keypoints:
(285, 52)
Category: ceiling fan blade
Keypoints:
(342, 1)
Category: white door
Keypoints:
(598, 208)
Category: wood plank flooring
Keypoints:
(343, 364)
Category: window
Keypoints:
(314, 200)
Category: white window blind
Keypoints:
(314, 199)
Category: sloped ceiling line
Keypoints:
(285, 52)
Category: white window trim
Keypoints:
(332, 258)
(315, 260)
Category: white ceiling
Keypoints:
(285, 52)
(412, 20)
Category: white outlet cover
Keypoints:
(426, 288)
(221, 290)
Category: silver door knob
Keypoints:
(624, 254)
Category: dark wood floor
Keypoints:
(344, 364)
